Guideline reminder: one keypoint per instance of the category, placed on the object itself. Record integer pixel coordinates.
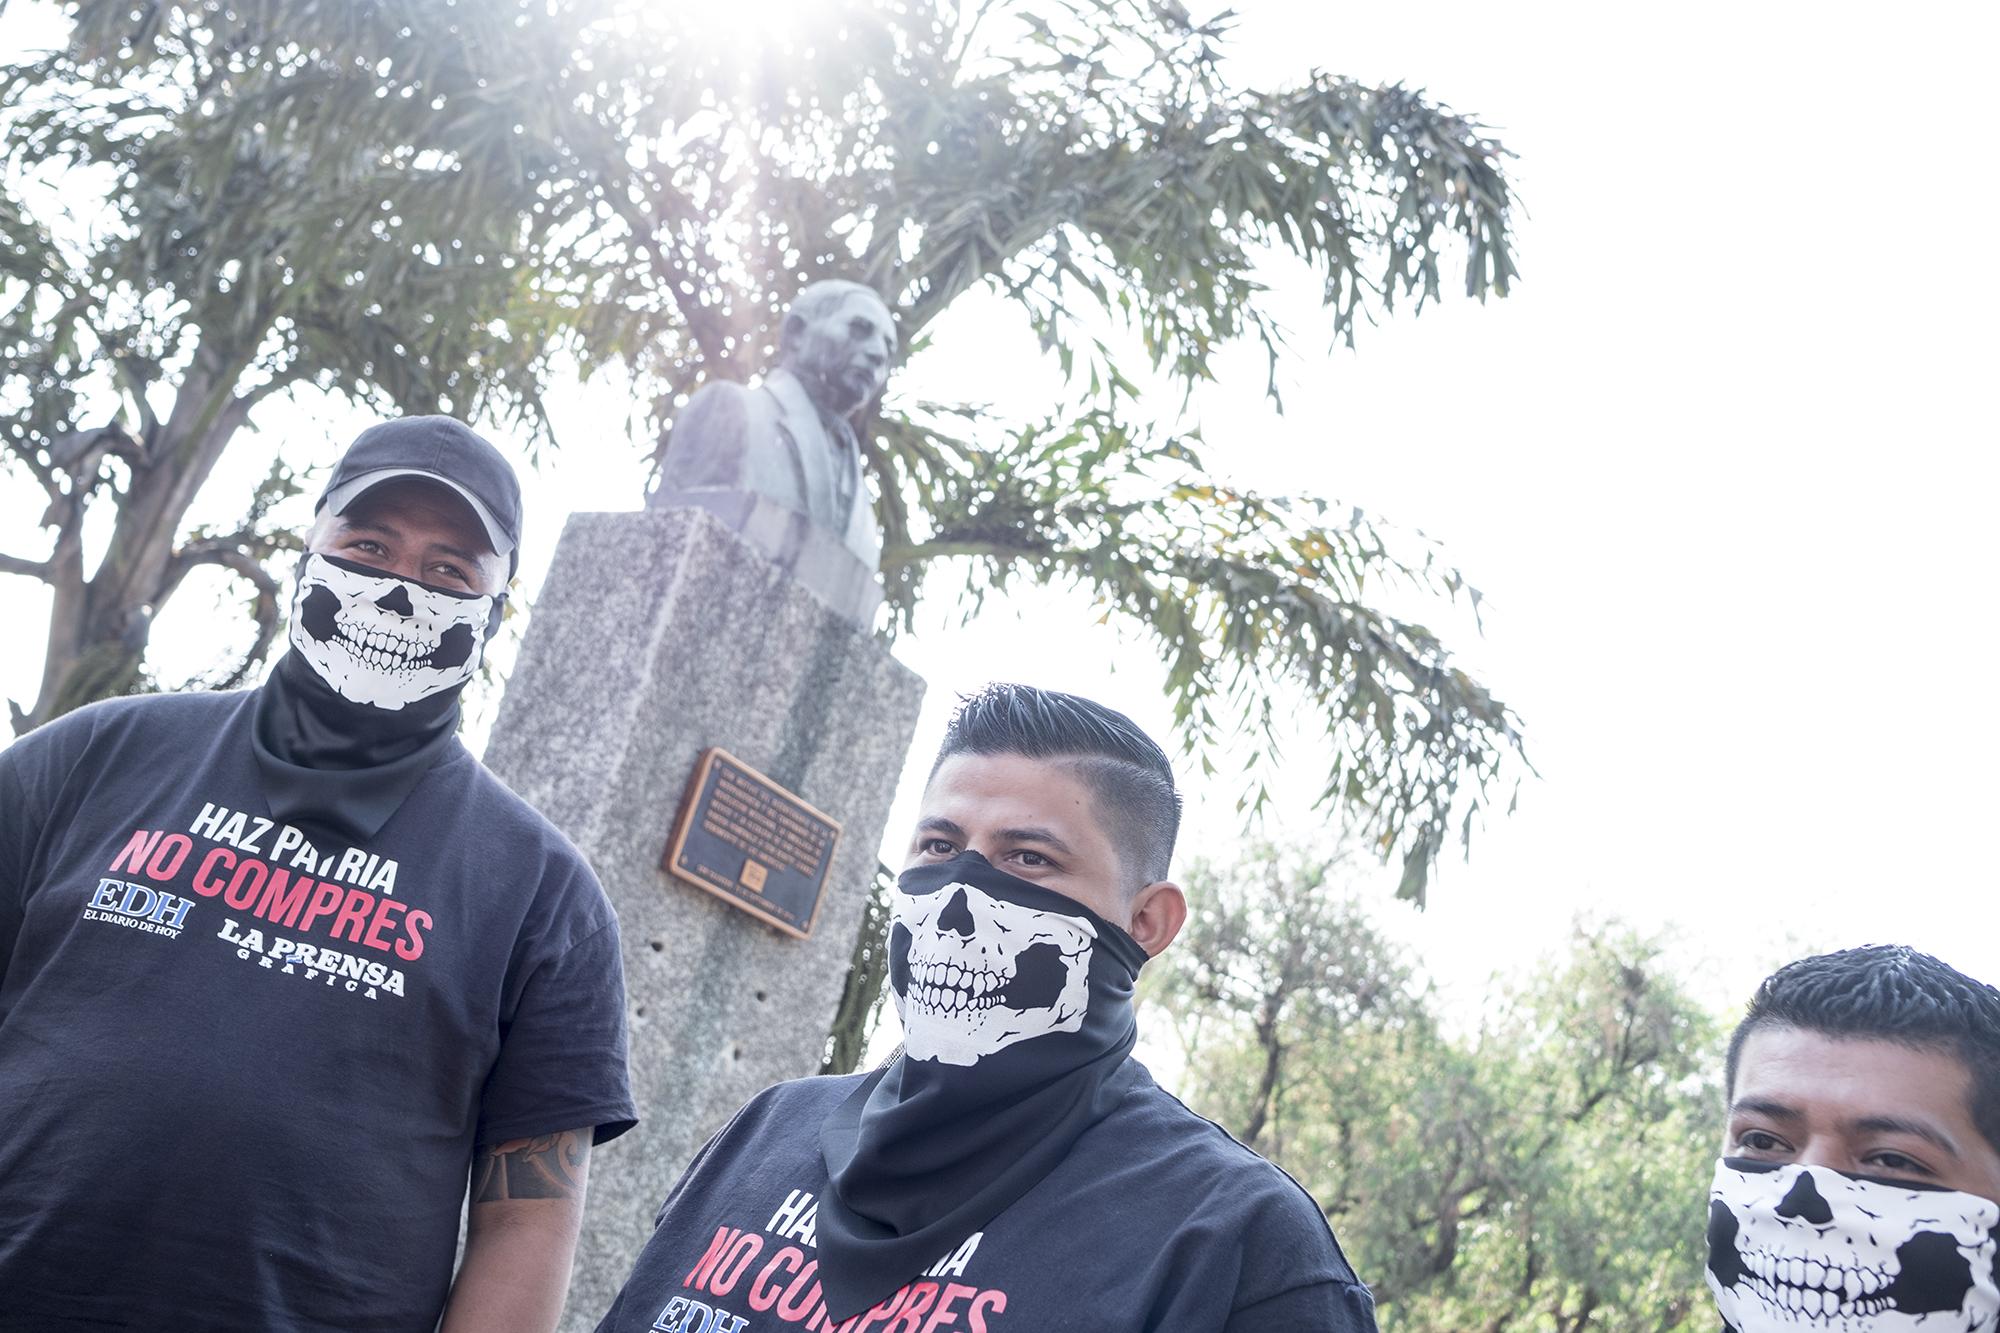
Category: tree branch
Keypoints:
(242, 564)
(34, 569)
(676, 281)
(237, 414)
(135, 385)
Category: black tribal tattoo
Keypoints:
(549, 1166)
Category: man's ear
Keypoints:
(320, 533)
(1158, 913)
(790, 336)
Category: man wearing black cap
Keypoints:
(279, 969)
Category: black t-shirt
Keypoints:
(1156, 1222)
(243, 1064)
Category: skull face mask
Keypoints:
(382, 640)
(973, 973)
(1808, 1248)
(1017, 1021)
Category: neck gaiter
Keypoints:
(1017, 1013)
(367, 700)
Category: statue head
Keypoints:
(838, 338)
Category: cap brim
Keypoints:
(344, 495)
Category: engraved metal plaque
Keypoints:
(751, 843)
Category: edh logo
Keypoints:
(139, 906)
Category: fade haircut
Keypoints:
(1126, 772)
(1887, 992)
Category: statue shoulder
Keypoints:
(731, 437)
(718, 408)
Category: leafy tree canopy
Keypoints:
(440, 204)
(1543, 1170)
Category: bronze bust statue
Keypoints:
(780, 462)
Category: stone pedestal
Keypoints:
(656, 635)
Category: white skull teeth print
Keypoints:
(973, 974)
(1807, 1248)
(384, 641)
(946, 987)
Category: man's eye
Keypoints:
(1757, 1140)
(451, 573)
(1897, 1164)
(1033, 859)
(936, 847)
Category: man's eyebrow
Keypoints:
(368, 523)
(391, 530)
(1893, 1124)
(939, 824)
(1040, 835)
(1764, 1106)
(456, 553)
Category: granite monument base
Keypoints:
(658, 635)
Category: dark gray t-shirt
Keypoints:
(1156, 1222)
(244, 1064)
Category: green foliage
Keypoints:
(862, 992)
(347, 196)
(1541, 1172)
(203, 206)
(1090, 161)
(429, 206)
(1241, 593)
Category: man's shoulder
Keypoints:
(138, 710)
(135, 716)
(719, 405)
(473, 784)
(1161, 1124)
(509, 827)
(789, 402)
(780, 1125)
(796, 1098)
(792, 1109)
(720, 391)
(1186, 1158)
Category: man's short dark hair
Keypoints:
(1887, 992)
(1124, 768)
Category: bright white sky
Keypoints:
(1723, 466)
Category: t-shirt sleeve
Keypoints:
(17, 837)
(719, 1145)
(1324, 1307)
(701, 1159)
(31, 771)
(562, 1057)
(1293, 1274)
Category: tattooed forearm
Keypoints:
(549, 1166)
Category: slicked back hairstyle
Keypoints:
(820, 299)
(1887, 992)
(1124, 768)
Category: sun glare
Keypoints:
(755, 31)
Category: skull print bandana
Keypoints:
(976, 972)
(366, 703)
(381, 640)
(1807, 1249)
(1017, 1017)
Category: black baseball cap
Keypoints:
(445, 450)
